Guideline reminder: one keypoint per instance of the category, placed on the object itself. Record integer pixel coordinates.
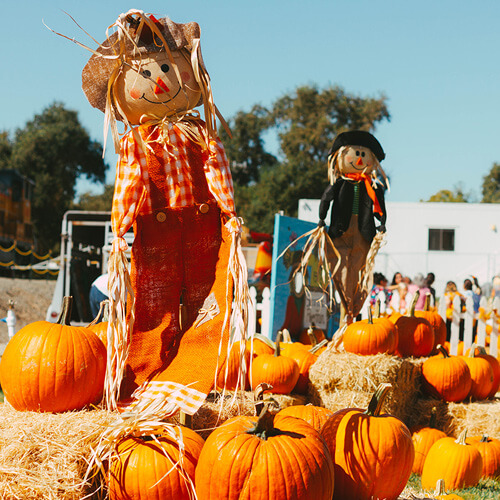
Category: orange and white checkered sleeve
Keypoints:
(129, 185)
(219, 177)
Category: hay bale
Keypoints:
(480, 417)
(421, 413)
(347, 373)
(44, 455)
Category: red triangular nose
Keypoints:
(359, 163)
(160, 87)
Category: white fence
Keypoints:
(260, 310)
(488, 316)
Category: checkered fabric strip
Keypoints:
(131, 196)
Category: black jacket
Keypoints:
(342, 195)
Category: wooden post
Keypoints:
(186, 420)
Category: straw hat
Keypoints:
(98, 70)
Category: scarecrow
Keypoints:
(174, 186)
(357, 198)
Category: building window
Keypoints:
(442, 239)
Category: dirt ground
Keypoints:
(31, 300)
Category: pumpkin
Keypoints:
(279, 371)
(304, 360)
(446, 377)
(481, 374)
(316, 416)
(480, 352)
(489, 448)
(440, 492)
(423, 438)
(271, 457)
(370, 336)
(372, 453)
(416, 335)
(459, 464)
(311, 335)
(100, 323)
(145, 467)
(437, 322)
(259, 344)
(460, 347)
(53, 367)
(230, 375)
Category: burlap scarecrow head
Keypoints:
(148, 69)
(355, 152)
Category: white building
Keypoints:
(452, 240)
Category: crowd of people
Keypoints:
(398, 295)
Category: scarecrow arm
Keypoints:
(326, 199)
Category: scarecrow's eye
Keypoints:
(357, 153)
(146, 73)
(363, 154)
(165, 68)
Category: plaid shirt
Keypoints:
(131, 197)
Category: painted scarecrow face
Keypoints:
(150, 88)
(356, 159)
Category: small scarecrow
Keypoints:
(356, 195)
(174, 186)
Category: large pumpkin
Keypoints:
(423, 438)
(489, 448)
(416, 335)
(480, 352)
(481, 374)
(146, 467)
(281, 372)
(316, 416)
(459, 464)
(304, 360)
(280, 458)
(53, 367)
(437, 322)
(370, 336)
(372, 453)
(446, 377)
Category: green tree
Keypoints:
(96, 202)
(491, 185)
(5, 150)
(55, 150)
(305, 123)
(456, 196)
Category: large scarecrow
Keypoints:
(356, 196)
(174, 186)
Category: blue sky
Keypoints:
(436, 61)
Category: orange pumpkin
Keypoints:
(446, 377)
(423, 438)
(279, 371)
(416, 335)
(480, 352)
(259, 344)
(481, 374)
(437, 322)
(370, 336)
(459, 464)
(311, 335)
(53, 367)
(145, 467)
(363, 441)
(316, 416)
(277, 458)
(489, 448)
(304, 360)
(230, 374)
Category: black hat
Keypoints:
(358, 138)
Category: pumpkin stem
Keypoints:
(427, 303)
(485, 438)
(433, 418)
(377, 400)
(462, 437)
(411, 312)
(264, 428)
(318, 346)
(279, 336)
(370, 317)
(258, 396)
(376, 311)
(443, 351)
(481, 351)
(312, 335)
(286, 336)
(440, 488)
(65, 316)
(103, 311)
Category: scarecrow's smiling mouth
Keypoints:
(161, 102)
(356, 168)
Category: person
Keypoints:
(399, 302)
(357, 198)
(98, 293)
(380, 290)
(429, 281)
(450, 292)
(418, 283)
(468, 293)
(396, 279)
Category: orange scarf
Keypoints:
(369, 189)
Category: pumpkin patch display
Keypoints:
(372, 452)
(459, 464)
(146, 467)
(271, 457)
(489, 448)
(446, 377)
(370, 336)
(53, 367)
